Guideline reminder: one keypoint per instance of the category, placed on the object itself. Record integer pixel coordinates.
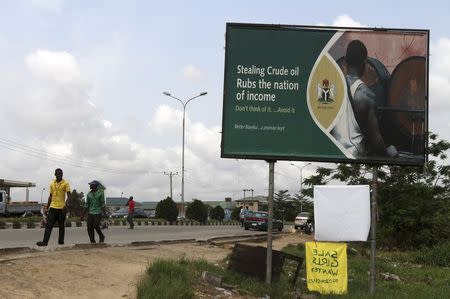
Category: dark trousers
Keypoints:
(130, 220)
(53, 216)
(93, 222)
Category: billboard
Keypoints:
(325, 94)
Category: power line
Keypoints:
(53, 155)
(45, 155)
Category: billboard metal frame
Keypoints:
(371, 161)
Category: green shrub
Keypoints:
(217, 213)
(198, 211)
(167, 209)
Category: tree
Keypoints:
(303, 203)
(284, 206)
(413, 202)
(217, 213)
(263, 206)
(198, 211)
(75, 203)
(235, 213)
(167, 209)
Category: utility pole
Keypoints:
(270, 222)
(373, 233)
(170, 174)
(42, 194)
(245, 190)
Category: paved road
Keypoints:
(118, 234)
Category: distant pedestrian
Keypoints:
(131, 204)
(56, 208)
(95, 207)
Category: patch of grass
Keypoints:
(166, 279)
(438, 255)
(180, 278)
(414, 282)
(420, 272)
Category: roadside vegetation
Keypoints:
(423, 274)
(181, 279)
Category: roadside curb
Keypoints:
(148, 243)
(242, 238)
(214, 241)
(235, 236)
(15, 250)
(37, 225)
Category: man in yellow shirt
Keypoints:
(56, 207)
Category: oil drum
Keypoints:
(405, 108)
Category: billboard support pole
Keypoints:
(270, 222)
(373, 224)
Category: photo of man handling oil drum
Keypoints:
(382, 111)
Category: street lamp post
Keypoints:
(182, 151)
(301, 180)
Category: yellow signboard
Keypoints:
(326, 267)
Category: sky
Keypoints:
(82, 87)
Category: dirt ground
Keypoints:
(111, 272)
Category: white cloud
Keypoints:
(440, 57)
(60, 67)
(347, 21)
(54, 6)
(440, 74)
(192, 72)
(166, 118)
(60, 149)
(107, 124)
(440, 87)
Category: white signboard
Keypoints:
(342, 213)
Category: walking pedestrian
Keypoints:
(131, 205)
(56, 207)
(95, 207)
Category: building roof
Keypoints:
(149, 205)
(223, 204)
(8, 183)
(259, 198)
(116, 201)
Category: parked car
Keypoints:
(151, 213)
(123, 212)
(258, 220)
(301, 220)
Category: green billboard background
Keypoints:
(265, 109)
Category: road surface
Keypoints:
(118, 234)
